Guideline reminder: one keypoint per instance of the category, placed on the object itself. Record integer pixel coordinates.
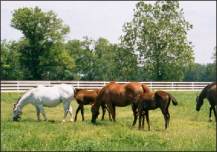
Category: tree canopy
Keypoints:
(159, 34)
(154, 47)
(42, 32)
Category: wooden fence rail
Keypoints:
(23, 86)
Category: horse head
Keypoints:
(95, 113)
(16, 112)
(199, 103)
(76, 91)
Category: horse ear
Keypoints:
(14, 105)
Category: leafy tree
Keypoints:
(41, 31)
(101, 60)
(198, 73)
(57, 63)
(104, 62)
(158, 34)
(75, 51)
(212, 68)
(125, 63)
(88, 59)
(10, 66)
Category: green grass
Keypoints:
(189, 130)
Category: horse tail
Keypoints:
(134, 105)
(173, 99)
(134, 100)
(146, 89)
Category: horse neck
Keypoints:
(98, 100)
(202, 95)
(24, 100)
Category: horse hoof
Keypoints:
(210, 119)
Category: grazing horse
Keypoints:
(145, 102)
(208, 92)
(114, 94)
(46, 97)
(85, 97)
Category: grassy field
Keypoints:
(189, 130)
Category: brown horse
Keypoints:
(85, 97)
(114, 94)
(145, 102)
(208, 92)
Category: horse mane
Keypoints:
(202, 94)
(209, 86)
(24, 94)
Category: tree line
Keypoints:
(153, 48)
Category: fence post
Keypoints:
(78, 84)
(193, 86)
(151, 86)
(17, 87)
(172, 85)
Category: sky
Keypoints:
(106, 19)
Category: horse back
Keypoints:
(86, 96)
(66, 91)
(123, 95)
(61, 92)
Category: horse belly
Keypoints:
(121, 102)
(50, 103)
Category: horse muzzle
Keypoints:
(93, 121)
(15, 119)
(198, 109)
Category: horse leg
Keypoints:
(82, 112)
(110, 115)
(41, 108)
(210, 109)
(135, 113)
(143, 120)
(111, 109)
(214, 112)
(147, 119)
(70, 112)
(66, 109)
(103, 111)
(140, 117)
(167, 118)
(77, 112)
(114, 112)
(38, 113)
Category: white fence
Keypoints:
(23, 86)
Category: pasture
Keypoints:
(189, 130)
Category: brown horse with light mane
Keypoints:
(208, 92)
(114, 94)
(85, 97)
(145, 102)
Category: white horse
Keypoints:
(46, 97)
